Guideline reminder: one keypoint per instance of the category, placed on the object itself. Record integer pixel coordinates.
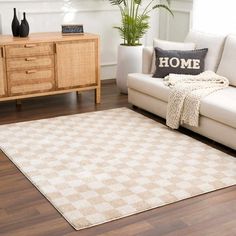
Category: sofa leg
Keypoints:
(134, 107)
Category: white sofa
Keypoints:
(217, 111)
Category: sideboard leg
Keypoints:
(98, 95)
(78, 95)
(18, 103)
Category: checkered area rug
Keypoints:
(101, 166)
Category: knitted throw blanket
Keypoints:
(186, 93)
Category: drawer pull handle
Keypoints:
(30, 59)
(30, 45)
(2, 52)
(30, 72)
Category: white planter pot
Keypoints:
(129, 61)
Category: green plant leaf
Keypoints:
(138, 2)
(163, 6)
(135, 20)
(116, 2)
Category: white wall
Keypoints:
(176, 28)
(97, 16)
(222, 19)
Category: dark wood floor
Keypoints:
(25, 212)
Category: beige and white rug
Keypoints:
(101, 166)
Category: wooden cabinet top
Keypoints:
(44, 37)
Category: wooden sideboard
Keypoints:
(47, 64)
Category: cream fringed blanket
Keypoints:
(186, 93)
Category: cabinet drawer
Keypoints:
(29, 50)
(31, 81)
(30, 63)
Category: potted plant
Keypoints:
(134, 25)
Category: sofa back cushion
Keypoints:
(169, 45)
(214, 43)
(227, 67)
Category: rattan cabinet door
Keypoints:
(2, 74)
(76, 63)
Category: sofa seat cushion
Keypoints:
(144, 83)
(219, 106)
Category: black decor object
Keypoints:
(72, 29)
(24, 30)
(15, 25)
(190, 62)
(26, 22)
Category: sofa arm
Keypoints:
(147, 59)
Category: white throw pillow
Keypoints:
(214, 43)
(227, 67)
(168, 45)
